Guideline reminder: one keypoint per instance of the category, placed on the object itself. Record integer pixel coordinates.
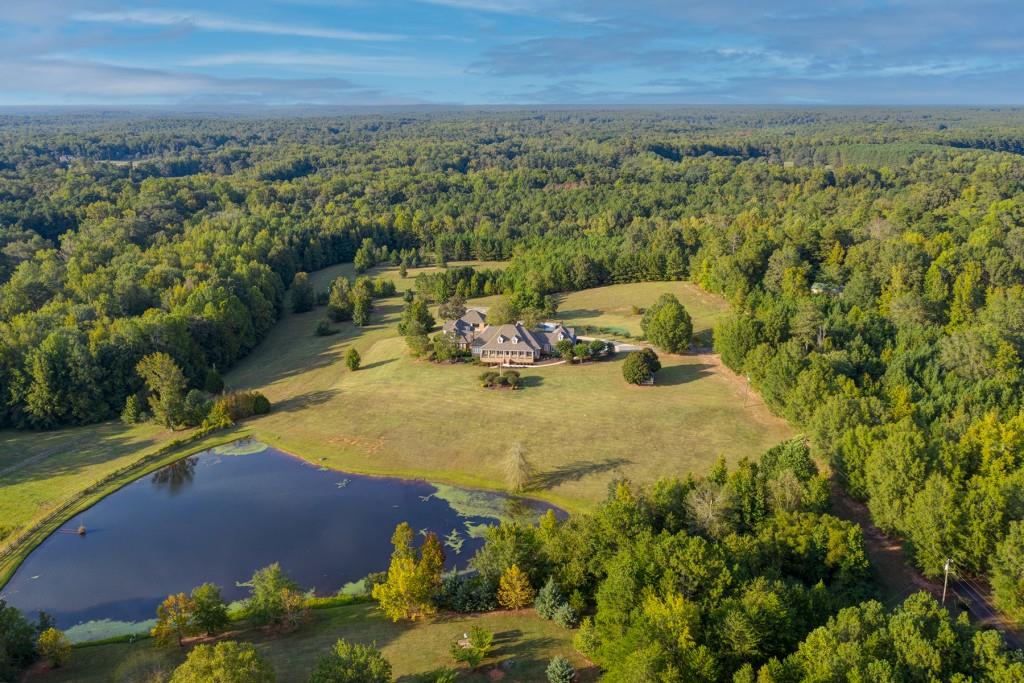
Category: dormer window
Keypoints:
(561, 336)
(515, 340)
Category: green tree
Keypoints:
(1008, 572)
(362, 306)
(352, 359)
(270, 590)
(452, 309)
(667, 325)
(225, 662)
(416, 319)
(17, 641)
(54, 647)
(351, 663)
(502, 312)
(209, 611)
(639, 366)
(166, 384)
(566, 349)
(132, 413)
(444, 347)
(339, 300)
(303, 296)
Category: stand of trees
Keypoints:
(874, 260)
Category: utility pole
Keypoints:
(945, 580)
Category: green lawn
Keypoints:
(581, 425)
(524, 644)
(39, 470)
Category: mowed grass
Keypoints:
(40, 470)
(612, 307)
(523, 646)
(582, 426)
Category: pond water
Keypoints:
(220, 515)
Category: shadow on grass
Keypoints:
(576, 471)
(531, 381)
(303, 401)
(681, 374)
(108, 442)
(579, 314)
(377, 364)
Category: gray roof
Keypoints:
(460, 329)
(509, 337)
(474, 316)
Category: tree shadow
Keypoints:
(681, 374)
(302, 401)
(519, 650)
(579, 314)
(576, 471)
(377, 364)
(531, 381)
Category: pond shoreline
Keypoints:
(223, 512)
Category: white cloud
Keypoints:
(353, 63)
(211, 22)
(98, 82)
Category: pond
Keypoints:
(221, 514)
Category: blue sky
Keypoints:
(364, 52)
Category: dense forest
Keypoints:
(874, 259)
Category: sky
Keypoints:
(508, 52)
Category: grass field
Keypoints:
(524, 644)
(611, 307)
(581, 425)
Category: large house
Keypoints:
(510, 344)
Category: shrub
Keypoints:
(460, 593)
(560, 670)
(352, 359)
(489, 378)
(565, 616)
(476, 649)
(239, 405)
(349, 663)
(226, 662)
(636, 369)
(144, 666)
(54, 647)
(549, 597)
(512, 379)
(323, 328)
(443, 675)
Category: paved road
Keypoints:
(976, 599)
